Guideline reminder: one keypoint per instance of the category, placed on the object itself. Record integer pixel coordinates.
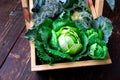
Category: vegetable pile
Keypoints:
(66, 31)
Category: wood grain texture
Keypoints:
(25, 6)
(68, 64)
(99, 4)
(92, 8)
(17, 65)
(11, 16)
(17, 60)
(25, 3)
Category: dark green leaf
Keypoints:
(95, 39)
(54, 40)
(97, 51)
(44, 30)
(85, 19)
(59, 23)
(46, 23)
(79, 26)
(84, 40)
(44, 9)
(100, 33)
(42, 55)
(69, 3)
(76, 4)
(58, 53)
(30, 34)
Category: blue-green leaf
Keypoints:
(105, 25)
(111, 3)
(30, 34)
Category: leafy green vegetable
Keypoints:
(76, 4)
(82, 17)
(95, 39)
(70, 36)
(59, 23)
(69, 40)
(92, 32)
(69, 3)
(105, 25)
(58, 53)
(44, 31)
(44, 9)
(30, 34)
(97, 47)
(100, 33)
(84, 41)
(81, 3)
(54, 41)
(41, 54)
(98, 51)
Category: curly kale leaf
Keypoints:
(76, 4)
(44, 9)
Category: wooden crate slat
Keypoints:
(92, 8)
(25, 6)
(31, 13)
(33, 56)
(24, 3)
(99, 7)
(32, 46)
(72, 64)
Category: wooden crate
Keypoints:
(96, 12)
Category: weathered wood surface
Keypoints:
(17, 50)
(10, 17)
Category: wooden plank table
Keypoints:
(15, 49)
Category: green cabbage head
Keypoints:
(97, 51)
(68, 40)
